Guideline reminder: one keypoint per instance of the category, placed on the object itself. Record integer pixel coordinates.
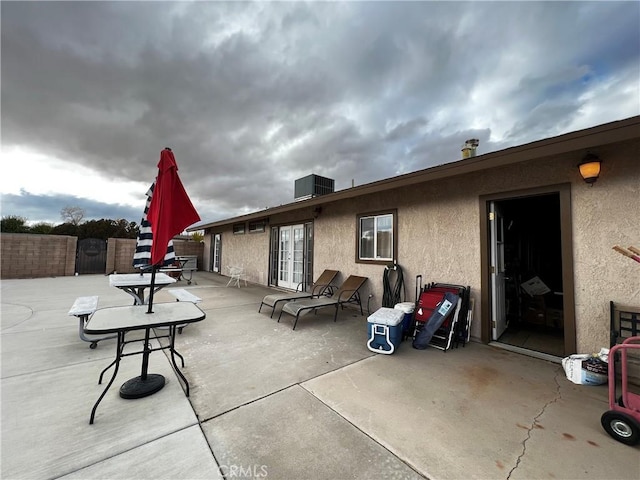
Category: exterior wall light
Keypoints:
(590, 168)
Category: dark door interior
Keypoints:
(533, 270)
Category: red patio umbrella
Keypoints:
(170, 211)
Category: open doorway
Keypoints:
(533, 274)
(529, 272)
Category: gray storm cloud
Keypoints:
(251, 96)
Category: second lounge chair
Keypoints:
(320, 287)
(347, 293)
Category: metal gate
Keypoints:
(91, 256)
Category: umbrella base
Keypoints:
(139, 388)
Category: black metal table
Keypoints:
(122, 320)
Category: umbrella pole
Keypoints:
(145, 356)
(153, 287)
(147, 383)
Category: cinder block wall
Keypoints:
(26, 255)
(183, 247)
(120, 253)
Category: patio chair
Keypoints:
(322, 286)
(347, 293)
(236, 274)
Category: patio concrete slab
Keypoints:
(292, 435)
(216, 295)
(568, 442)
(36, 293)
(12, 315)
(45, 417)
(477, 412)
(39, 321)
(39, 350)
(239, 355)
(183, 454)
(310, 403)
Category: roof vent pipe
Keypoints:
(469, 149)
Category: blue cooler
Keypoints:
(407, 308)
(385, 330)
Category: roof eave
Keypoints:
(580, 140)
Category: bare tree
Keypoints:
(73, 215)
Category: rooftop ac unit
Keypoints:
(313, 186)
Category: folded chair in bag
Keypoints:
(448, 306)
(455, 329)
(320, 287)
(347, 293)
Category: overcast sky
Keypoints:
(251, 96)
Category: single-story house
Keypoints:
(492, 222)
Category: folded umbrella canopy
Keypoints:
(142, 255)
(169, 212)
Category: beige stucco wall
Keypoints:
(251, 252)
(207, 252)
(605, 215)
(439, 234)
(438, 238)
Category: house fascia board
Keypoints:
(580, 141)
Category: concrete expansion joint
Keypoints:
(237, 407)
(364, 433)
(535, 424)
(275, 392)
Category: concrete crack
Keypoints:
(557, 396)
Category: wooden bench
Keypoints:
(83, 308)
